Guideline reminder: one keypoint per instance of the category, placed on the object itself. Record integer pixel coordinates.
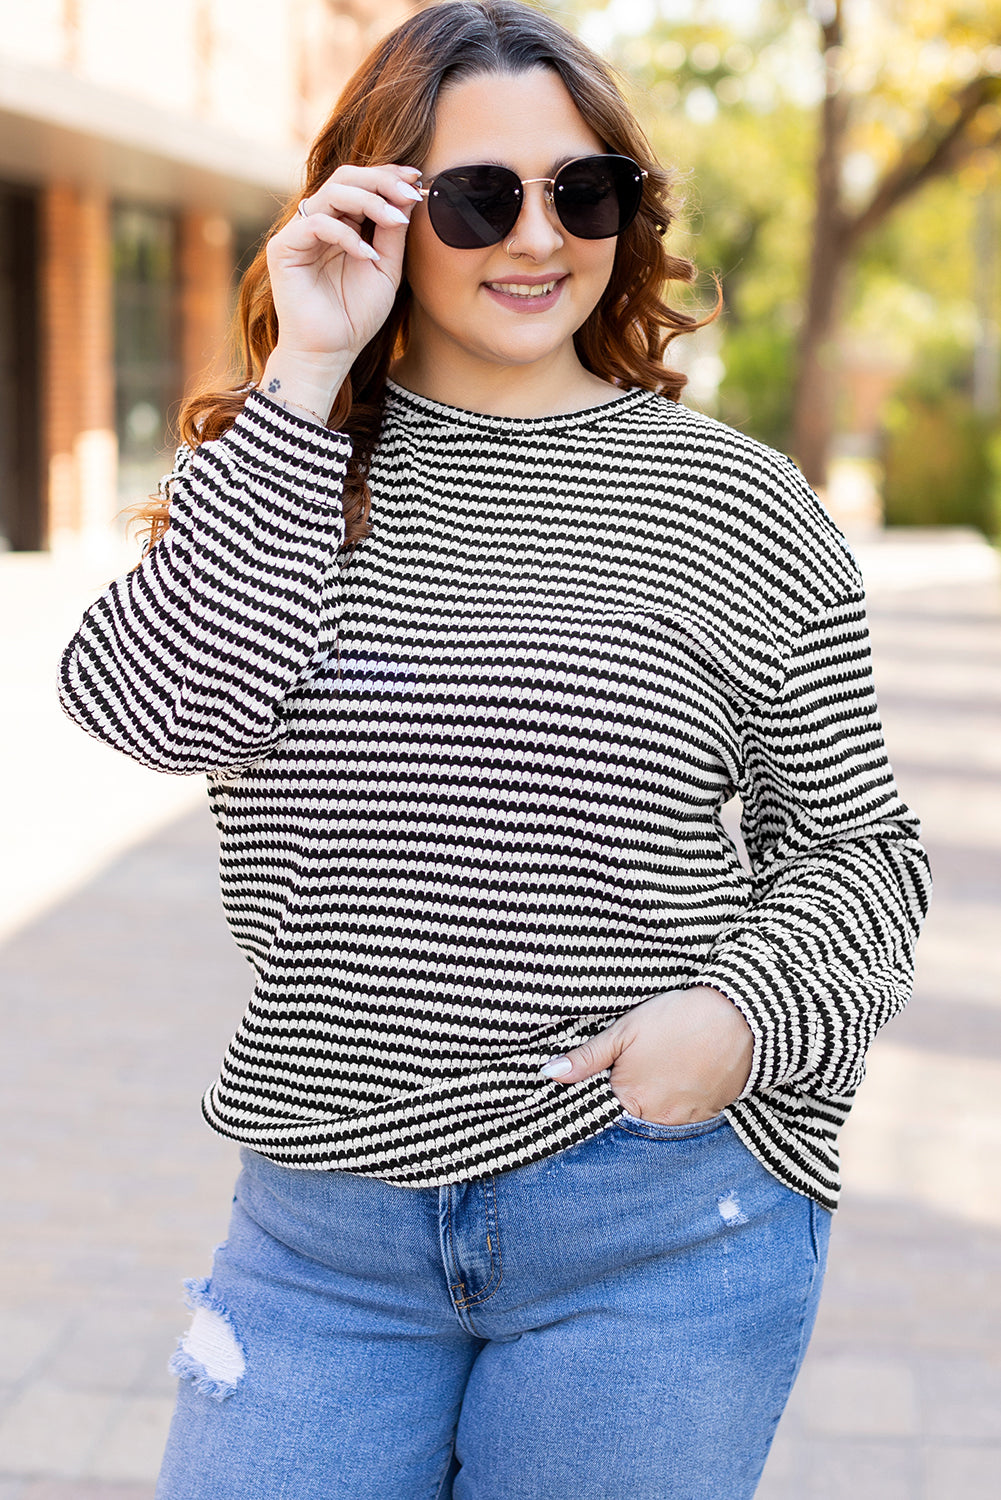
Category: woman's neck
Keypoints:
(540, 389)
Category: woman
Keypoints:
(474, 628)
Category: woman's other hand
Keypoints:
(332, 290)
(677, 1057)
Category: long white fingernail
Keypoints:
(396, 214)
(558, 1068)
(410, 192)
(370, 251)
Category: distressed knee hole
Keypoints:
(209, 1354)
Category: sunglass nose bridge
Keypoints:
(547, 190)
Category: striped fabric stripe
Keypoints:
(468, 776)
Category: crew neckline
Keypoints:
(487, 421)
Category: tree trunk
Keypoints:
(817, 363)
(814, 399)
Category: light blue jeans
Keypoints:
(620, 1321)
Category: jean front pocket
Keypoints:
(655, 1131)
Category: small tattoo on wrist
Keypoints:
(274, 385)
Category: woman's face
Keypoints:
(528, 122)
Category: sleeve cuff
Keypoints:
(779, 1046)
(301, 454)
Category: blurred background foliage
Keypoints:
(838, 168)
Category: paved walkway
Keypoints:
(114, 1190)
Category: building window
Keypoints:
(247, 240)
(147, 345)
(21, 518)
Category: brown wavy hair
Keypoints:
(386, 113)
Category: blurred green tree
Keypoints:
(914, 89)
(814, 128)
(938, 463)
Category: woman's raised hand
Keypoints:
(332, 290)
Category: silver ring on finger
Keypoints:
(303, 210)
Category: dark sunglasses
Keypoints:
(595, 197)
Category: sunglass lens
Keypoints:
(598, 196)
(473, 207)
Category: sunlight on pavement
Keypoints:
(69, 805)
(926, 1127)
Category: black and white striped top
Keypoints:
(468, 778)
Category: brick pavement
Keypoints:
(115, 1190)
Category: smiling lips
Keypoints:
(527, 291)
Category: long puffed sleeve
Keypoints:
(825, 954)
(184, 663)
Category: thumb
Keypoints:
(589, 1058)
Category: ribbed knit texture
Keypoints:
(493, 824)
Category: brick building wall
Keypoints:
(206, 269)
(200, 111)
(78, 439)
